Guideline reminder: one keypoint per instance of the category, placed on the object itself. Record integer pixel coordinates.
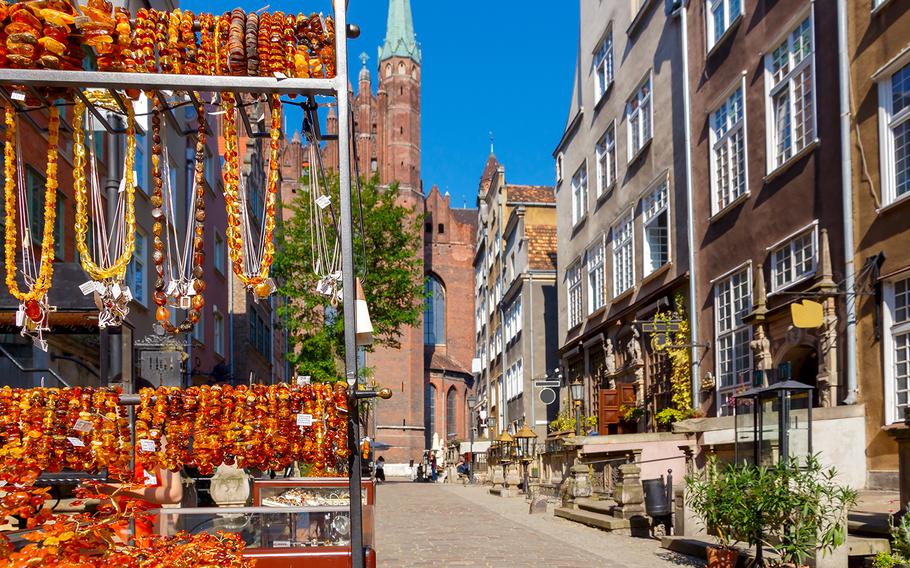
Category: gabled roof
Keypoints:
(530, 194)
(541, 247)
(442, 362)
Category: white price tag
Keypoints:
(303, 380)
(76, 442)
(147, 445)
(127, 295)
(20, 317)
(122, 185)
(18, 96)
(304, 419)
(279, 75)
(2, 483)
(83, 426)
(87, 287)
(149, 479)
(323, 201)
(281, 544)
(115, 290)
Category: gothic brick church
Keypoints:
(430, 375)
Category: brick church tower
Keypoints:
(428, 373)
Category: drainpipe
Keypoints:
(682, 11)
(530, 391)
(847, 198)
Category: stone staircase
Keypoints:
(604, 514)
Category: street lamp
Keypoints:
(472, 400)
(506, 446)
(527, 444)
(578, 395)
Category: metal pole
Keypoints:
(471, 465)
(578, 418)
(347, 270)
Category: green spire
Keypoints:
(400, 40)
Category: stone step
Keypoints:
(602, 506)
(868, 523)
(599, 520)
(857, 546)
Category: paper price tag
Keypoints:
(279, 75)
(149, 479)
(76, 442)
(20, 317)
(304, 419)
(87, 288)
(323, 201)
(2, 483)
(18, 96)
(303, 380)
(281, 543)
(115, 290)
(127, 295)
(147, 445)
(83, 426)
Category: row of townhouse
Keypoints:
(722, 160)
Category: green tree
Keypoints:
(386, 259)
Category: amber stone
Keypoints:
(33, 310)
(159, 297)
(263, 290)
(198, 302)
(162, 314)
(197, 272)
(199, 286)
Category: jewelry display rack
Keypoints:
(13, 80)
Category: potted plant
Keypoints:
(804, 510)
(722, 497)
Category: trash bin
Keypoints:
(656, 503)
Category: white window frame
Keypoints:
(788, 83)
(198, 332)
(727, 142)
(603, 65)
(892, 329)
(140, 255)
(217, 332)
(727, 23)
(580, 194)
(623, 244)
(887, 123)
(788, 243)
(573, 287)
(644, 125)
(653, 205)
(718, 289)
(596, 275)
(605, 154)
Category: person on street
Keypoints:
(433, 472)
(380, 470)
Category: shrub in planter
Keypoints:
(804, 510)
(899, 557)
(723, 498)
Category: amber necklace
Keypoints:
(107, 276)
(33, 303)
(251, 265)
(183, 292)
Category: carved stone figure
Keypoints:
(761, 349)
(633, 349)
(609, 357)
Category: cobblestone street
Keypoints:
(451, 525)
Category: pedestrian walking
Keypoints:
(433, 472)
(380, 470)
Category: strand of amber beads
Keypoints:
(117, 270)
(42, 283)
(162, 313)
(257, 283)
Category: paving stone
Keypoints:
(420, 524)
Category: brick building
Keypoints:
(430, 373)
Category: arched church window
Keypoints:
(434, 312)
(451, 419)
(388, 70)
(414, 72)
(431, 409)
(401, 67)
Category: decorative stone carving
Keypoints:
(827, 356)
(581, 484)
(230, 486)
(633, 348)
(761, 349)
(629, 494)
(609, 357)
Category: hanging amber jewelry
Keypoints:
(112, 295)
(256, 279)
(33, 305)
(189, 295)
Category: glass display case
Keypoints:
(293, 522)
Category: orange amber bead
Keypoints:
(263, 290)
(162, 314)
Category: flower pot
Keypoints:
(722, 557)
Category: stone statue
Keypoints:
(633, 349)
(609, 357)
(761, 349)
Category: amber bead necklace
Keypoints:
(33, 303)
(112, 295)
(179, 291)
(251, 264)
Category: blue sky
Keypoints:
(501, 66)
